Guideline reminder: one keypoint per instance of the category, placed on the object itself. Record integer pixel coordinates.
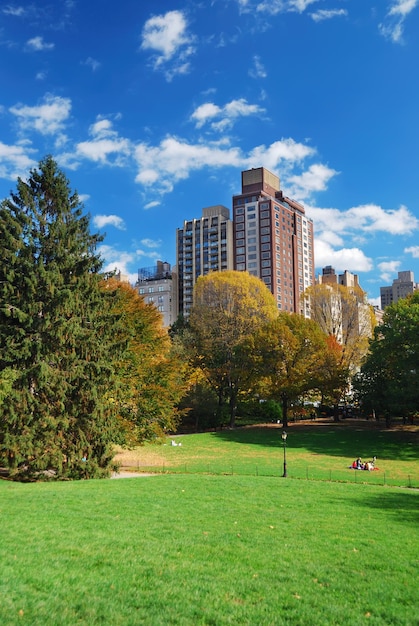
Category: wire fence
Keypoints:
(380, 477)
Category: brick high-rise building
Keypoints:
(273, 239)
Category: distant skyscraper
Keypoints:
(155, 284)
(203, 245)
(273, 239)
(402, 286)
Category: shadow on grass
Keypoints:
(400, 505)
(354, 438)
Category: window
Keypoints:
(151, 290)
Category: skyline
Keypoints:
(153, 113)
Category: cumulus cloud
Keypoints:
(368, 218)
(351, 259)
(105, 147)
(174, 159)
(279, 152)
(15, 161)
(118, 261)
(226, 115)
(314, 179)
(393, 25)
(168, 38)
(413, 250)
(323, 14)
(47, 118)
(100, 221)
(38, 44)
(388, 269)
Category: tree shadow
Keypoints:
(335, 439)
(402, 506)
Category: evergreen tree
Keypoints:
(55, 334)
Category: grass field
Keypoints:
(192, 549)
(320, 450)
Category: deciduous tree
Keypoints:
(389, 378)
(229, 307)
(290, 351)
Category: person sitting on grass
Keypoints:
(358, 464)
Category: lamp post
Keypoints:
(284, 441)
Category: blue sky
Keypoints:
(153, 109)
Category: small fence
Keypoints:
(380, 477)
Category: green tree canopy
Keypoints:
(389, 378)
(55, 333)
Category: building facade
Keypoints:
(402, 286)
(157, 286)
(273, 239)
(203, 245)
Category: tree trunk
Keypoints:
(285, 411)
(233, 409)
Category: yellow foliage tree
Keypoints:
(229, 307)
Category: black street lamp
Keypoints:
(284, 441)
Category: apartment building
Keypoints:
(273, 239)
(203, 245)
(402, 286)
(157, 286)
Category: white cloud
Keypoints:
(38, 44)
(323, 14)
(15, 11)
(92, 63)
(388, 269)
(271, 156)
(100, 221)
(151, 243)
(106, 146)
(225, 115)
(115, 260)
(257, 70)
(413, 250)
(367, 218)
(174, 159)
(47, 118)
(314, 179)
(273, 7)
(351, 259)
(167, 36)
(393, 26)
(15, 161)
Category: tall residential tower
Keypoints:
(203, 245)
(273, 239)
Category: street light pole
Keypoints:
(284, 441)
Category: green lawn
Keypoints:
(320, 450)
(204, 549)
(227, 541)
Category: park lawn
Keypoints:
(208, 550)
(320, 450)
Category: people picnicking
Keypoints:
(358, 464)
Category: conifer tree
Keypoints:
(55, 334)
